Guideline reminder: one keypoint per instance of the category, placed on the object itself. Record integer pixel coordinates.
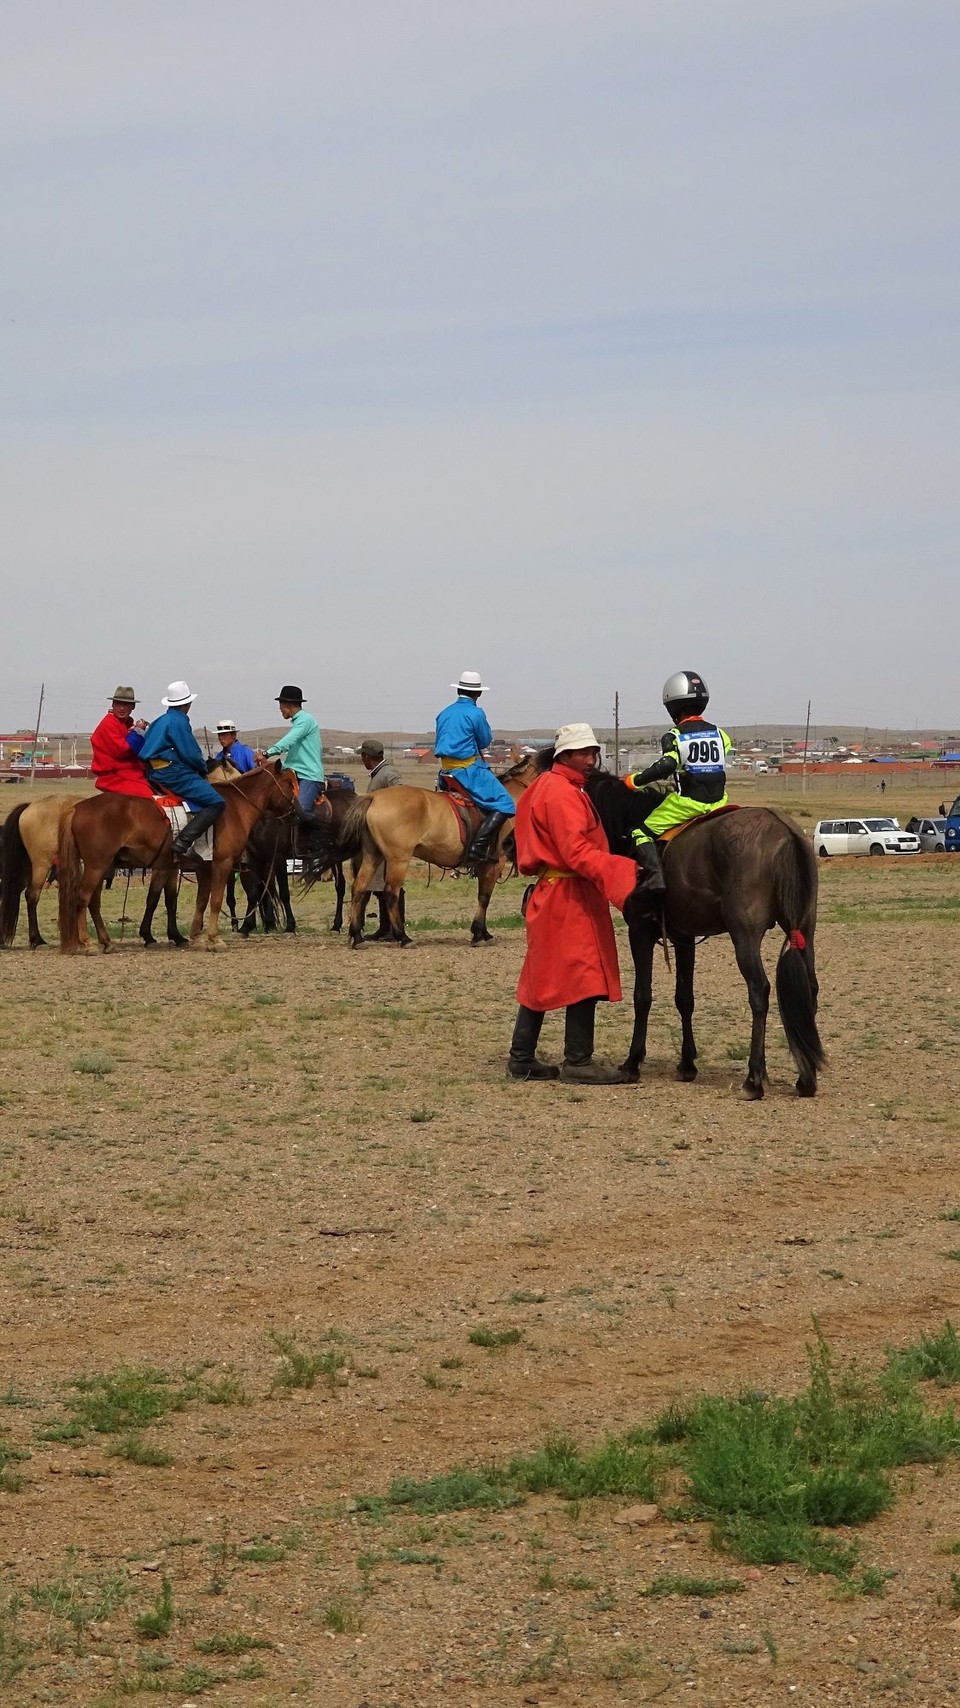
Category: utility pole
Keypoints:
(616, 732)
(806, 743)
(36, 738)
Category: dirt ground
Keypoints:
(215, 1165)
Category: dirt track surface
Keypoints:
(200, 1153)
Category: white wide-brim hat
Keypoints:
(571, 737)
(178, 694)
(469, 683)
(226, 726)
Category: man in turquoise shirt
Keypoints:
(300, 748)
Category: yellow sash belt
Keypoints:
(456, 764)
(550, 874)
(158, 764)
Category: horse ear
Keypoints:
(277, 767)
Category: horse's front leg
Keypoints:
(203, 896)
(171, 891)
(283, 892)
(486, 884)
(216, 884)
(747, 950)
(232, 901)
(641, 948)
(685, 953)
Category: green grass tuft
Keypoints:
(492, 1338)
(158, 1620)
(933, 1358)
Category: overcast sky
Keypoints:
(572, 341)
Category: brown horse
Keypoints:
(402, 824)
(28, 850)
(103, 826)
(738, 874)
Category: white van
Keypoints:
(862, 836)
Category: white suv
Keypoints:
(863, 836)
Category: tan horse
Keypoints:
(402, 824)
(27, 851)
(99, 828)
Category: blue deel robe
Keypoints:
(462, 733)
(170, 737)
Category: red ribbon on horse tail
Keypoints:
(797, 940)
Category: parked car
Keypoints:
(932, 833)
(863, 836)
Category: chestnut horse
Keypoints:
(402, 824)
(735, 873)
(100, 828)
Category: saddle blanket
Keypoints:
(176, 815)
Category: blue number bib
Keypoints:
(702, 754)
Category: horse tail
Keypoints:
(15, 869)
(350, 839)
(69, 875)
(796, 979)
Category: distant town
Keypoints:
(756, 749)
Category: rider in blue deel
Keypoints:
(175, 763)
(461, 736)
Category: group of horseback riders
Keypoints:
(131, 757)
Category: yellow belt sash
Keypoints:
(456, 764)
(158, 764)
(550, 874)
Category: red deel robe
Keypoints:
(115, 766)
(571, 949)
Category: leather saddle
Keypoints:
(468, 814)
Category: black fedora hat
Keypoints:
(291, 696)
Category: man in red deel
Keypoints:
(571, 959)
(116, 741)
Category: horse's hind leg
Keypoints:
(32, 895)
(396, 871)
(360, 893)
(340, 885)
(171, 891)
(486, 883)
(103, 935)
(685, 953)
(283, 892)
(641, 948)
(747, 949)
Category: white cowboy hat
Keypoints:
(225, 726)
(571, 737)
(469, 683)
(178, 694)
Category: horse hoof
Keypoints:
(753, 1093)
(149, 942)
(806, 1088)
(633, 1073)
(178, 942)
(686, 1074)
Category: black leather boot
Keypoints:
(194, 828)
(651, 881)
(580, 1065)
(522, 1061)
(483, 847)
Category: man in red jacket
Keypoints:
(571, 959)
(116, 741)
